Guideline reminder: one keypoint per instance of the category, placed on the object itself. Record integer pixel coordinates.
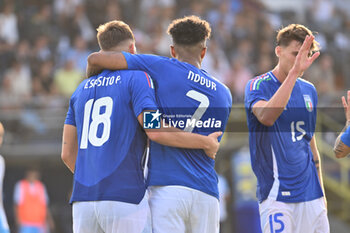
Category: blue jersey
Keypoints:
(281, 155)
(189, 95)
(104, 109)
(345, 137)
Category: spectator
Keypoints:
(67, 79)
(65, 8)
(79, 54)
(23, 51)
(323, 77)
(31, 204)
(215, 62)
(8, 25)
(43, 80)
(82, 24)
(40, 23)
(237, 77)
(17, 87)
(4, 228)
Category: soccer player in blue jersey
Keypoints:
(281, 116)
(342, 144)
(182, 183)
(103, 143)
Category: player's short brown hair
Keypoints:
(189, 30)
(112, 33)
(295, 32)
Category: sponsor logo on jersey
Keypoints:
(285, 193)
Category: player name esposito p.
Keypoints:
(102, 81)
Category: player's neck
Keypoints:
(192, 61)
(279, 74)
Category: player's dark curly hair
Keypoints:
(296, 32)
(189, 30)
(112, 33)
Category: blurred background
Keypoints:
(44, 45)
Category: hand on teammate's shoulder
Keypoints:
(213, 145)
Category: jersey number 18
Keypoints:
(89, 132)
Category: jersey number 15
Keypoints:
(296, 126)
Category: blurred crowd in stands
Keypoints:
(44, 44)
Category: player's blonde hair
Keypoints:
(112, 33)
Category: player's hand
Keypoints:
(213, 144)
(346, 102)
(303, 60)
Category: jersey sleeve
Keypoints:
(70, 118)
(345, 137)
(254, 92)
(142, 93)
(144, 62)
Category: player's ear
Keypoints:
(172, 51)
(132, 48)
(203, 52)
(278, 51)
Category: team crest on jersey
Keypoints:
(308, 103)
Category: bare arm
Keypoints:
(105, 60)
(267, 112)
(177, 138)
(340, 149)
(69, 146)
(317, 160)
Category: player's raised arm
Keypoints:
(267, 112)
(175, 137)
(342, 143)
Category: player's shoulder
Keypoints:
(80, 87)
(149, 59)
(137, 74)
(139, 77)
(305, 83)
(259, 81)
(306, 86)
(223, 88)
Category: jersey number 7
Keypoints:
(204, 104)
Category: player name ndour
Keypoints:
(209, 123)
(201, 80)
(102, 81)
